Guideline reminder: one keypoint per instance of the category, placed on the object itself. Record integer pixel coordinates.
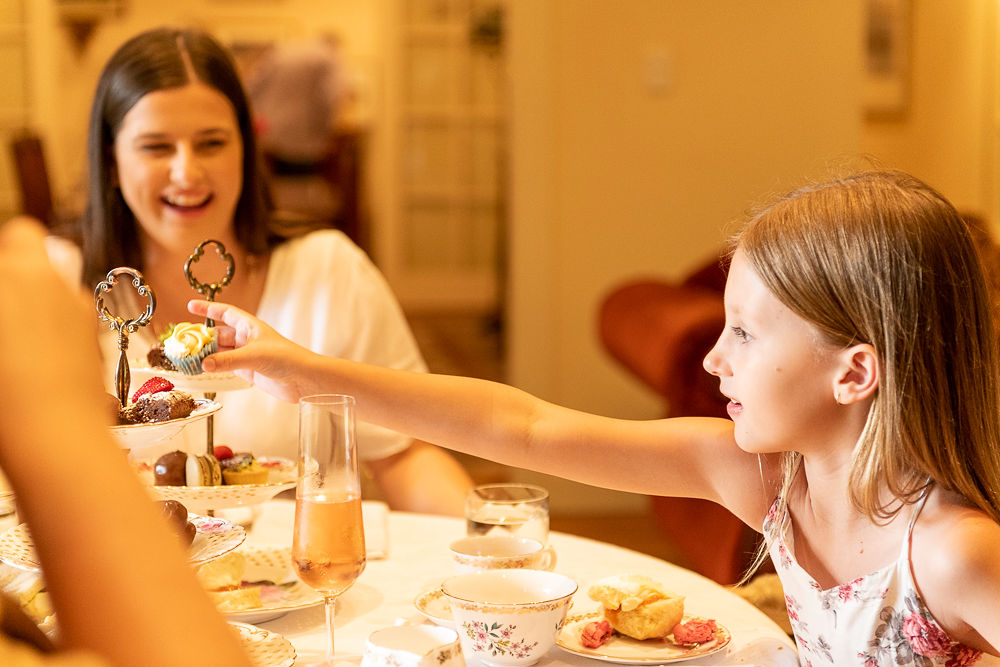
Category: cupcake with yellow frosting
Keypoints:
(188, 345)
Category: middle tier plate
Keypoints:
(281, 476)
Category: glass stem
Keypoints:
(331, 604)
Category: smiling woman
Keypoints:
(173, 163)
(177, 161)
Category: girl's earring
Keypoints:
(837, 398)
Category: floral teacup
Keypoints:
(500, 552)
(508, 618)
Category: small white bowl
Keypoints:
(413, 646)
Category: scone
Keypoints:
(223, 578)
(638, 606)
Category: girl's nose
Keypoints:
(714, 362)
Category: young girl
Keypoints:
(860, 361)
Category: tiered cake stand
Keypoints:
(215, 536)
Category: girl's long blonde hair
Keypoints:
(882, 258)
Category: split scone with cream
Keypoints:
(638, 606)
(223, 579)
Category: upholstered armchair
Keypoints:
(661, 332)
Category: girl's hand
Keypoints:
(253, 350)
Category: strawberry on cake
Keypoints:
(155, 401)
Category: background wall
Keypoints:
(948, 134)
(615, 176)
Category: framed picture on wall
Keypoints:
(887, 58)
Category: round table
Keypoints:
(417, 560)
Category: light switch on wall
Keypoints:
(657, 70)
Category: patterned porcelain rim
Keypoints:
(203, 408)
(434, 606)
(215, 537)
(275, 564)
(548, 604)
(513, 608)
(137, 436)
(265, 648)
(496, 562)
(225, 496)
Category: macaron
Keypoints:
(202, 470)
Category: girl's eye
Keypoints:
(740, 333)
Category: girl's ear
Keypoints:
(859, 376)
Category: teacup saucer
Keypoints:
(434, 606)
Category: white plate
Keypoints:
(202, 383)
(435, 608)
(281, 476)
(214, 538)
(627, 651)
(265, 648)
(137, 436)
(288, 593)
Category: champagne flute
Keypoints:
(328, 542)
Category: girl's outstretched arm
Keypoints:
(694, 457)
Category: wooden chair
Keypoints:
(32, 176)
(299, 209)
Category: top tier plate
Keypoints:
(203, 383)
(139, 436)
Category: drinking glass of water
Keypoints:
(508, 509)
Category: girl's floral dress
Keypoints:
(877, 619)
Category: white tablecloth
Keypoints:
(418, 560)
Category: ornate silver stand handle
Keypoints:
(209, 290)
(124, 326)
